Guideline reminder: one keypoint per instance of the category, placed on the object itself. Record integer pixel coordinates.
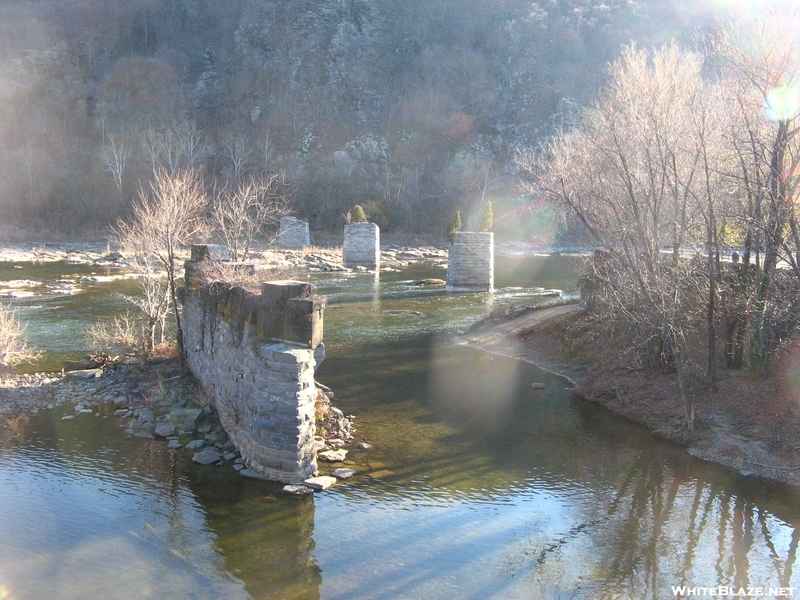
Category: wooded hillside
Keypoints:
(411, 109)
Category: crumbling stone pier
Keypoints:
(254, 354)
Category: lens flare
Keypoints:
(782, 103)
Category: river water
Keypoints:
(486, 487)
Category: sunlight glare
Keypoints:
(782, 103)
(723, 7)
(696, 13)
(475, 391)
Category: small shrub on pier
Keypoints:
(357, 215)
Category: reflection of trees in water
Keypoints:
(12, 430)
(612, 513)
(664, 526)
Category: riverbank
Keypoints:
(749, 425)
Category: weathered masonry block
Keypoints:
(293, 234)
(362, 245)
(470, 265)
(254, 353)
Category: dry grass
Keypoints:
(14, 347)
(124, 332)
(165, 350)
(230, 275)
(319, 250)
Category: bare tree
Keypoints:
(236, 151)
(633, 176)
(124, 330)
(154, 300)
(710, 191)
(166, 216)
(14, 346)
(161, 149)
(759, 55)
(240, 214)
(627, 173)
(171, 148)
(191, 140)
(115, 159)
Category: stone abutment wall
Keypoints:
(254, 353)
(470, 265)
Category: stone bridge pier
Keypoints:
(470, 263)
(254, 353)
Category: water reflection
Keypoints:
(507, 491)
(375, 303)
(85, 513)
(267, 538)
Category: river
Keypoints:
(491, 487)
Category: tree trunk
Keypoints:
(174, 297)
(680, 369)
(673, 349)
(711, 370)
(773, 240)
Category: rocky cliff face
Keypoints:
(378, 97)
(359, 101)
(310, 49)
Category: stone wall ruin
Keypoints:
(254, 354)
